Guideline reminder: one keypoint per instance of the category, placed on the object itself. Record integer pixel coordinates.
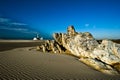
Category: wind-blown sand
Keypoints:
(23, 63)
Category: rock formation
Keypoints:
(51, 46)
(104, 56)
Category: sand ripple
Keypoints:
(24, 64)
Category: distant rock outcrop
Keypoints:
(104, 56)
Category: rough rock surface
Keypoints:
(51, 46)
(104, 56)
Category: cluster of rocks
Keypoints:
(104, 56)
(51, 46)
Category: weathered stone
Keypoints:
(103, 56)
(71, 31)
(51, 46)
(58, 38)
(38, 48)
(43, 48)
(116, 66)
(98, 65)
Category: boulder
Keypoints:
(103, 56)
(100, 56)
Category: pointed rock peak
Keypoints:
(88, 35)
(71, 30)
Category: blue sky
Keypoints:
(100, 17)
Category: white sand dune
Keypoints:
(21, 63)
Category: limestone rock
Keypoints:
(38, 48)
(51, 46)
(100, 56)
(71, 31)
(98, 65)
(58, 38)
(79, 44)
(103, 56)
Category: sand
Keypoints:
(11, 44)
(23, 63)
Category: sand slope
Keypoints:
(21, 63)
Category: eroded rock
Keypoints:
(103, 56)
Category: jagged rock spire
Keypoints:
(71, 30)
